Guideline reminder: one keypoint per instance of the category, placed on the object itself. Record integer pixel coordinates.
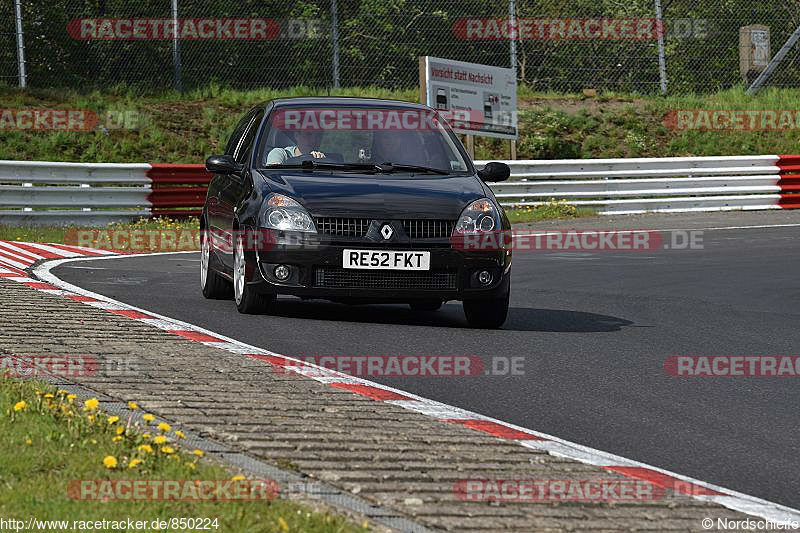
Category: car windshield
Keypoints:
(380, 139)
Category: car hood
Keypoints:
(383, 195)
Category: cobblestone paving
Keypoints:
(392, 457)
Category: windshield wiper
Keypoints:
(391, 167)
(317, 165)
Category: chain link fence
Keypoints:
(349, 43)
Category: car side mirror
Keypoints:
(222, 164)
(494, 172)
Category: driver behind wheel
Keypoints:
(306, 142)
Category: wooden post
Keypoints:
(471, 146)
(513, 150)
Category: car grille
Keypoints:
(342, 227)
(357, 227)
(340, 278)
(428, 229)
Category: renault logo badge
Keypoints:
(387, 232)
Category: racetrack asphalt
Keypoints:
(594, 329)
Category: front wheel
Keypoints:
(487, 314)
(248, 302)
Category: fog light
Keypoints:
(282, 272)
(485, 277)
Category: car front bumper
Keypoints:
(316, 272)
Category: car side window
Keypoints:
(246, 145)
(238, 132)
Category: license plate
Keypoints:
(386, 260)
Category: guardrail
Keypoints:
(40, 192)
(670, 185)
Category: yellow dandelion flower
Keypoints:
(120, 430)
(134, 463)
(133, 405)
(62, 392)
(113, 419)
(29, 442)
(20, 406)
(180, 434)
(49, 396)
(199, 453)
(71, 398)
(146, 448)
(238, 478)
(148, 418)
(167, 450)
(282, 524)
(91, 405)
(163, 426)
(161, 439)
(110, 462)
(146, 436)
(116, 439)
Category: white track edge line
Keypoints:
(733, 500)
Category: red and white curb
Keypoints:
(442, 412)
(15, 257)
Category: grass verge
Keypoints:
(48, 441)
(187, 128)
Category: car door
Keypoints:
(217, 225)
(236, 185)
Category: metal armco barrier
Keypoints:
(92, 194)
(671, 184)
(178, 190)
(39, 192)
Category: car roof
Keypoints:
(343, 101)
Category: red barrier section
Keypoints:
(178, 190)
(789, 181)
(179, 174)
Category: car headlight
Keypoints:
(480, 215)
(283, 213)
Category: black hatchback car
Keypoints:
(356, 201)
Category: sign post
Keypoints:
(486, 96)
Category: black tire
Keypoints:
(214, 286)
(426, 305)
(248, 302)
(487, 314)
